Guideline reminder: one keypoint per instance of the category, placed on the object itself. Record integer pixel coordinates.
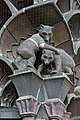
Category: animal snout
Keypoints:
(47, 38)
(46, 62)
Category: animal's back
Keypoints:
(67, 60)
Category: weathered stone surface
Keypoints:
(67, 116)
(29, 83)
(28, 106)
(55, 108)
(9, 113)
(74, 106)
(28, 118)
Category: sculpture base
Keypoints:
(29, 83)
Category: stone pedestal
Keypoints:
(26, 83)
(74, 107)
(29, 83)
(50, 91)
(57, 86)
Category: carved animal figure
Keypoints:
(30, 46)
(68, 63)
(52, 62)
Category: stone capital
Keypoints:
(55, 109)
(28, 107)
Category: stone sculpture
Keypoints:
(68, 63)
(53, 59)
(54, 63)
(51, 62)
(31, 45)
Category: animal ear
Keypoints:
(41, 25)
(53, 52)
(52, 28)
(43, 51)
(37, 29)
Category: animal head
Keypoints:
(46, 32)
(47, 56)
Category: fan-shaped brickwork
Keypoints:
(73, 19)
(75, 102)
(75, 5)
(19, 4)
(26, 22)
(62, 7)
(5, 70)
(23, 19)
(5, 13)
(68, 5)
(9, 95)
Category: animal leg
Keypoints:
(67, 69)
(16, 62)
(40, 68)
(31, 61)
(58, 63)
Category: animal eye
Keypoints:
(50, 57)
(45, 56)
(44, 33)
(49, 34)
(46, 41)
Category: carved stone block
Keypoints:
(74, 106)
(28, 106)
(55, 108)
(57, 86)
(29, 83)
